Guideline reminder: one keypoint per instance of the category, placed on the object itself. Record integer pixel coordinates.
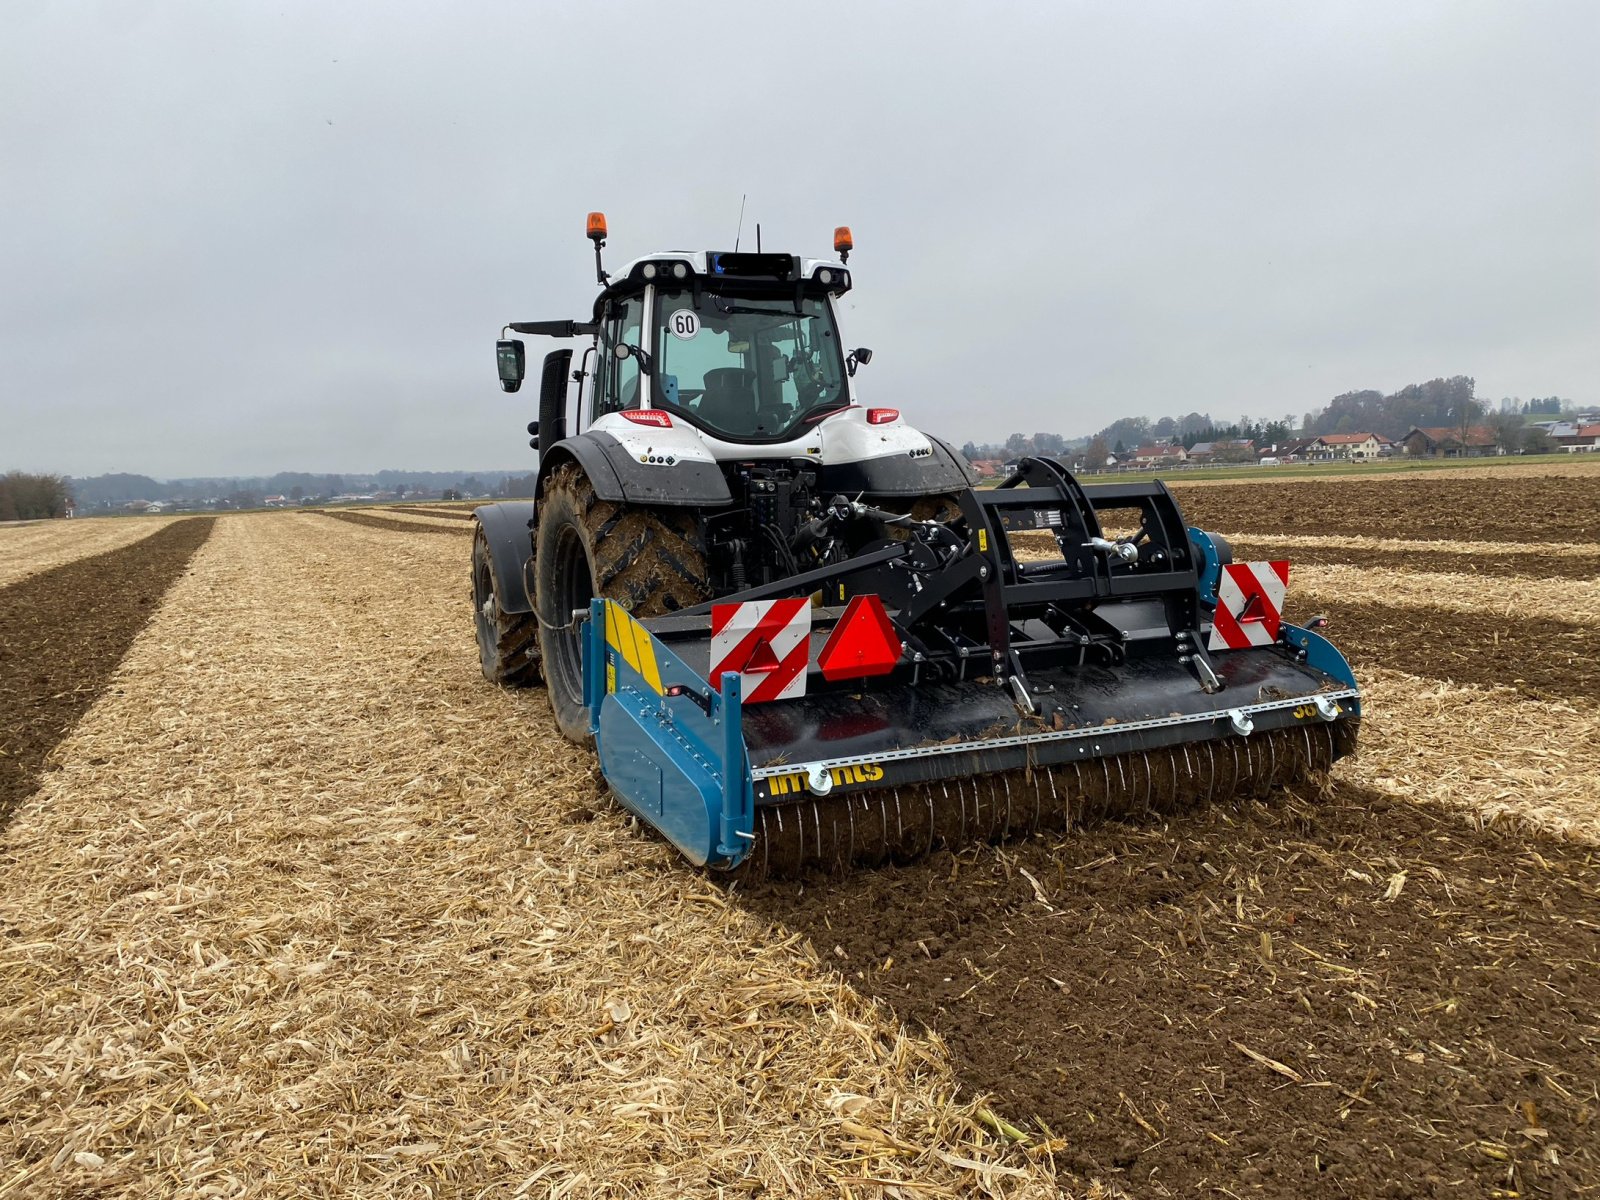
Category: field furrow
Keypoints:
(31, 547)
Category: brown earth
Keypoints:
(1366, 997)
(1546, 660)
(455, 514)
(1545, 508)
(361, 518)
(62, 634)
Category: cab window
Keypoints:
(747, 368)
(617, 380)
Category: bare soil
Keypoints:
(455, 514)
(1366, 997)
(62, 634)
(1545, 508)
(1542, 659)
(374, 522)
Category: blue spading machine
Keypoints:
(958, 683)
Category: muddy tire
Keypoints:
(508, 643)
(649, 560)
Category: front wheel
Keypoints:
(647, 560)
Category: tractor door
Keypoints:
(617, 382)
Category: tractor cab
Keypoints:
(744, 346)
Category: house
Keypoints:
(1159, 455)
(1235, 451)
(1353, 447)
(1293, 450)
(1447, 442)
(1583, 439)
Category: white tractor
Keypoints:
(718, 446)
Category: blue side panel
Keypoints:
(1321, 654)
(678, 761)
(1210, 566)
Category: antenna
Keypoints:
(740, 230)
(758, 237)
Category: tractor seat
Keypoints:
(729, 403)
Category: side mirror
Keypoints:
(859, 357)
(511, 358)
(623, 350)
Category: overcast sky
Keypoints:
(246, 237)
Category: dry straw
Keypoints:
(1485, 751)
(1517, 598)
(308, 909)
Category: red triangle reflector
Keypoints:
(763, 659)
(862, 643)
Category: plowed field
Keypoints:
(294, 904)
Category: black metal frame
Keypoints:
(957, 594)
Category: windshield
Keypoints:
(747, 369)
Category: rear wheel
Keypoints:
(648, 560)
(508, 643)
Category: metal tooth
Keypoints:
(1006, 831)
(852, 814)
(899, 822)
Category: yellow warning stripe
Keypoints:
(631, 640)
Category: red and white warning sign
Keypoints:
(1249, 605)
(768, 642)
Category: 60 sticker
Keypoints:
(684, 323)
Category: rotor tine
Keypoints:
(1055, 800)
(1211, 773)
(883, 822)
(850, 809)
(928, 792)
(1272, 751)
(1006, 830)
(899, 823)
(1149, 783)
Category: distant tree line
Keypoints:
(25, 497)
(1439, 403)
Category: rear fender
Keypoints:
(617, 475)
(507, 528)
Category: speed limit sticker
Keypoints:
(684, 324)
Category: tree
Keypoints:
(297, 493)
(1049, 443)
(1098, 452)
(1537, 441)
(1466, 412)
(1120, 449)
(969, 451)
(1507, 428)
(1018, 444)
(25, 497)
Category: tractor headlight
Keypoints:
(649, 271)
